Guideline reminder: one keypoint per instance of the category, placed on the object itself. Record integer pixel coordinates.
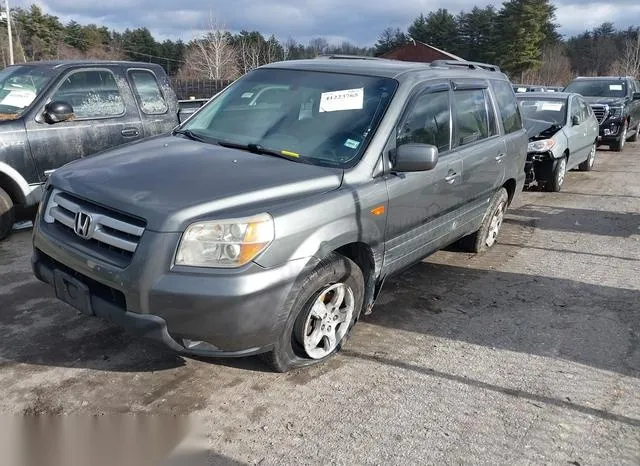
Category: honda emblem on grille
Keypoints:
(82, 225)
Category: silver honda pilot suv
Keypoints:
(267, 222)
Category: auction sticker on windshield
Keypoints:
(349, 99)
(19, 98)
(615, 87)
(552, 106)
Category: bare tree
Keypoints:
(211, 55)
(555, 69)
(250, 54)
(629, 63)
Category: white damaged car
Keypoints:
(563, 133)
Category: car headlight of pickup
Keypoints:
(542, 145)
(225, 243)
(615, 112)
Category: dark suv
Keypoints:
(616, 103)
(268, 226)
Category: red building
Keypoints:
(419, 52)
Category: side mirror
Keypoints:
(636, 96)
(58, 111)
(575, 121)
(415, 158)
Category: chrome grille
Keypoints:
(601, 112)
(105, 229)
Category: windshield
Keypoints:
(313, 117)
(552, 110)
(598, 88)
(19, 87)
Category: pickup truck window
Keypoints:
(471, 117)
(427, 122)
(19, 87)
(148, 92)
(92, 94)
(598, 87)
(316, 117)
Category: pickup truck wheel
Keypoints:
(7, 214)
(636, 133)
(587, 165)
(487, 234)
(323, 312)
(557, 179)
(618, 146)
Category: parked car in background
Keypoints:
(563, 134)
(616, 103)
(52, 113)
(268, 225)
(519, 88)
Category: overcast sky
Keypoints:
(358, 21)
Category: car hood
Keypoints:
(605, 100)
(169, 181)
(540, 128)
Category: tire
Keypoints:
(309, 317)
(587, 165)
(7, 214)
(618, 146)
(635, 136)
(485, 237)
(559, 173)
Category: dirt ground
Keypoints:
(526, 355)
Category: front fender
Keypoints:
(324, 223)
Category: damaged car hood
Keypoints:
(169, 180)
(540, 128)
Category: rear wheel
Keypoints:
(635, 137)
(323, 312)
(7, 214)
(587, 165)
(558, 175)
(487, 235)
(618, 146)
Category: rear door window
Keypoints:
(470, 115)
(148, 93)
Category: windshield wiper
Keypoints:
(191, 135)
(259, 149)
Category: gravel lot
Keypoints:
(529, 354)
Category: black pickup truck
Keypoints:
(615, 100)
(54, 112)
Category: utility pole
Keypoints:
(9, 32)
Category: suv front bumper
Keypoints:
(218, 313)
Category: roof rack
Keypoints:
(334, 56)
(466, 64)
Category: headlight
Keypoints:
(225, 243)
(615, 111)
(541, 146)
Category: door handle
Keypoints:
(499, 157)
(451, 177)
(130, 132)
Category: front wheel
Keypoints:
(7, 214)
(618, 146)
(587, 165)
(324, 309)
(558, 175)
(487, 235)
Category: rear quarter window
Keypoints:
(507, 106)
(148, 93)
